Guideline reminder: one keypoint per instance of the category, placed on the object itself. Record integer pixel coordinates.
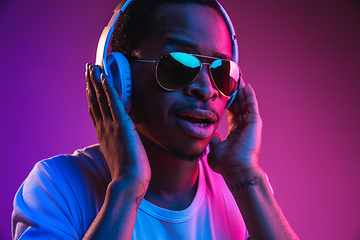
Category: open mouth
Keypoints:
(199, 118)
(197, 123)
(203, 122)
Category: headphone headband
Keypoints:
(235, 46)
(106, 34)
(105, 37)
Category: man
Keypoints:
(149, 177)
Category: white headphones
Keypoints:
(117, 67)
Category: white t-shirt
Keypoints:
(62, 196)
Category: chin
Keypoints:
(189, 155)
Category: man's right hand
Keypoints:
(115, 131)
(124, 154)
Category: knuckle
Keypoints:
(111, 100)
(98, 95)
(105, 87)
(88, 93)
(100, 130)
(116, 127)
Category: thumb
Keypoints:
(215, 139)
(214, 155)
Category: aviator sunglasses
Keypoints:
(177, 70)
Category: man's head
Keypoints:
(137, 22)
(182, 122)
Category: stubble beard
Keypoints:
(177, 153)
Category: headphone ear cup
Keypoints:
(117, 67)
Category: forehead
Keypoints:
(196, 28)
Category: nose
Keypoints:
(203, 87)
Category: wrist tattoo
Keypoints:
(246, 183)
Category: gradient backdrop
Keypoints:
(301, 57)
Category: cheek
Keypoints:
(143, 82)
(220, 108)
(147, 99)
(221, 104)
(142, 77)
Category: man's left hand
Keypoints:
(240, 151)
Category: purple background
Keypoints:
(301, 57)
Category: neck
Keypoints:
(173, 181)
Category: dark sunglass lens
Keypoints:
(176, 70)
(226, 76)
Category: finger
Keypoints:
(92, 117)
(116, 106)
(93, 105)
(238, 107)
(90, 105)
(215, 139)
(113, 97)
(252, 105)
(242, 101)
(118, 112)
(235, 107)
(245, 106)
(100, 93)
(242, 83)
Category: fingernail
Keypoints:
(86, 66)
(102, 77)
(91, 67)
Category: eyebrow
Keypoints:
(222, 56)
(174, 41)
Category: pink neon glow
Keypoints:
(301, 57)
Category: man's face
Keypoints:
(174, 121)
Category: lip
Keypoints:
(197, 123)
(199, 114)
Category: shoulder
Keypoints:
(85, 167)
(87, 163)
(82, 173)
(62, 194)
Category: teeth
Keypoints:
(202, 120)
(201, 124)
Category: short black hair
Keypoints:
(136, 22)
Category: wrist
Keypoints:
(241, 178)
(240, 170)
(132, 189)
